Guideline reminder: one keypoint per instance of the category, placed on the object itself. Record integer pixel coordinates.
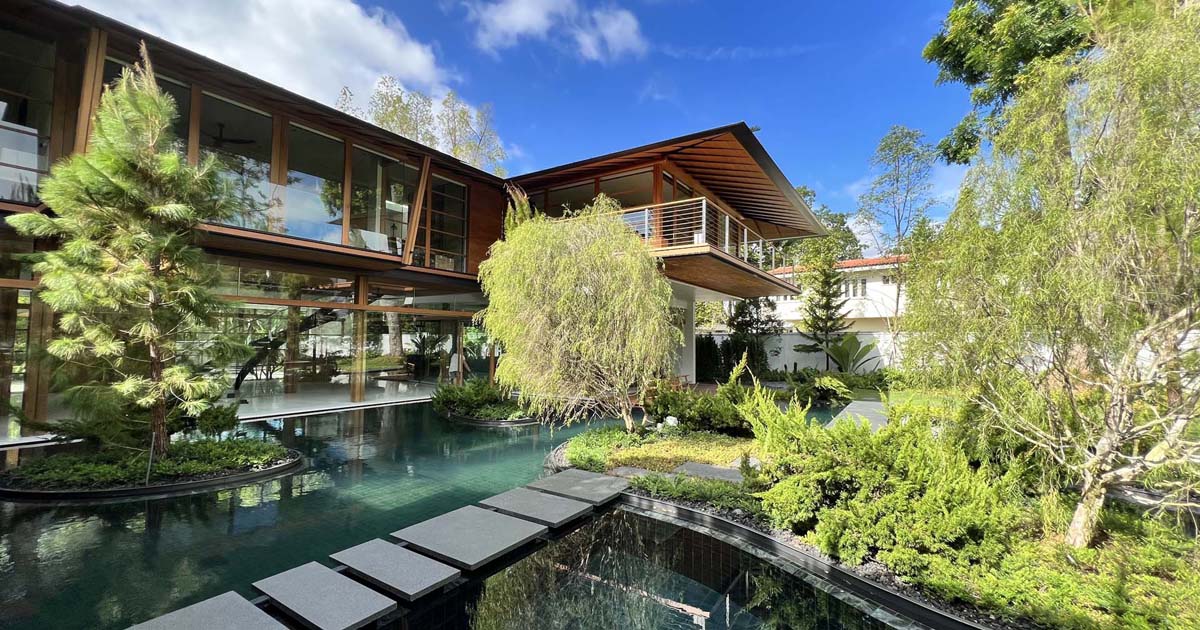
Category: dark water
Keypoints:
(372, 472)
(632, 572)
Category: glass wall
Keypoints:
(14, 351)
(26, 93)
(381, 196)
(444, 227)
(312, 205)
(180, 92)
(241, 139)
(246, 281)
(631, 190)
(573, 197)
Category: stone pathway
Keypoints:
(871, 410)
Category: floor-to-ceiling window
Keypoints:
(15, 302)
(240, 137)
(312, 205)
(382, 191)
(442, 239)
(26, 93)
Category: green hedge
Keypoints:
(117, 468)
(476, 398)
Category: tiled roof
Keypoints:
(846, 264)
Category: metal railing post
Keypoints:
(704, 217)
(727, 234)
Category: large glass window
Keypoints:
(431, 299)
(381, 197)
(26, 92)
(248, 281)
(446, 225)
(241, 139)
(12, 245)
(632, 190)
(14, 351)
(573, 197)
(313, 204)
(180, 92)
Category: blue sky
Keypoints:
(570, 79)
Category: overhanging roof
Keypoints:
(729, 161)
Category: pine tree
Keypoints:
(823, 322)
(132, 290)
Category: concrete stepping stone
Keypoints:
(708, 471)
(397, 570)
(870, 410)
(578, 484)
(539, 507)
(322, 598)
(470, 536)
(227, 610)
(630, 472)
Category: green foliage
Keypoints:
(664, 453)
(989, 47)
(751, 323)
(582, 311)
(774, 428)
(841, 243)
(1068, 272)
(116, 468)
(900, 194)
(217, 419)
(708, 359)
(826, 390)
(476, 398)
(695, 410)
(849, 353)
(720, 494)
(823, 322)
(133, 296)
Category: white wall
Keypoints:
(685, 361)
(788, 359)
(867, 312)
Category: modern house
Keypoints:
(354, 263)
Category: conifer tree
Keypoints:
(132, 290)
(823, 322)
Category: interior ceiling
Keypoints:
(728, 161)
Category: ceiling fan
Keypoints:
(220, 140)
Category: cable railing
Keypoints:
(699, 221)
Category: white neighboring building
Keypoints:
(870, 286)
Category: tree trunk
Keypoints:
(158, 412)
(1087, 514)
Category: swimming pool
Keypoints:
(371, 472)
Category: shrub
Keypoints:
(665, 453)
(114, 468)
(708, 359)
(822, 391)
(476, 398)
(696, 411)
(715, 492)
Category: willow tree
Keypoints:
(1065, 289)
(582, 311)
(133, 294)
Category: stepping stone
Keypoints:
(227, 610)
(870, 410)
(470, 536)
(708, 471)
(395, 569)
(573, 483)
(322, 598)
(539, 507)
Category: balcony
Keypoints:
(704, 245)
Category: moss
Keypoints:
(116, 468)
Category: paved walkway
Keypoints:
(871, 410)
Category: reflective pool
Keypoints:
(371, 472)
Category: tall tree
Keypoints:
(988, 45)
(582, 311)
(449, 125)
(752, 322)
(898, 198)
(133, 293)
(823, 322)
(1070, 285)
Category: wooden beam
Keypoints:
(346, 174)
(93, 83)
(414, 217)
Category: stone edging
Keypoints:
(869, 590)
(491, 424)
(294, 464)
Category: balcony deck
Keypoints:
(703, 245)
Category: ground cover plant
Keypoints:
(605, 448)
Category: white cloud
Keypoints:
(312, 47)
(601, 34)
(734, 53)
(946, 180)
(857, 187)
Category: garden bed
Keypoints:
(191, 466)
(491, 422)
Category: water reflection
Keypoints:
(371, 472)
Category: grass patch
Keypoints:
(114, 469)
(715, 492)
(609, 447)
